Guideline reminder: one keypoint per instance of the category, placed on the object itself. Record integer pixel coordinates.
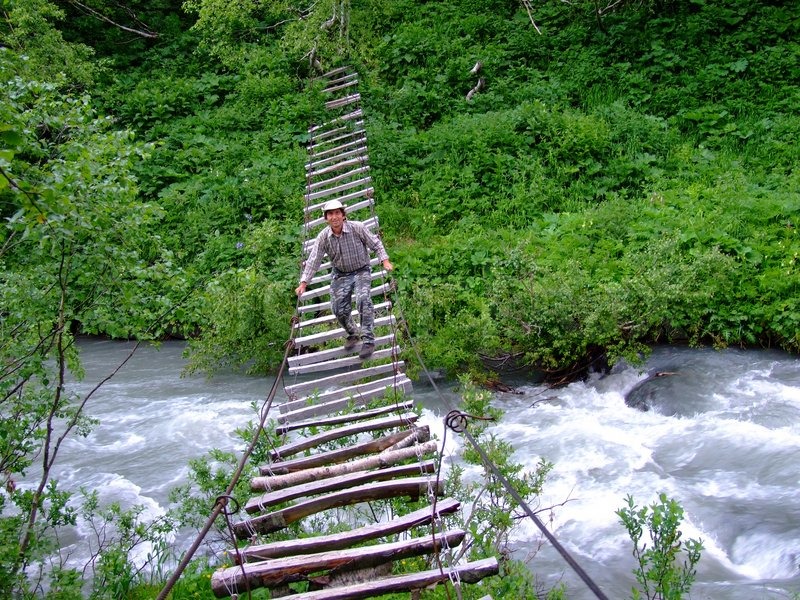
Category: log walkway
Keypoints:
(350, 434)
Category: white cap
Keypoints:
(332, 205)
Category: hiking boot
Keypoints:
(366, 350)
(351, 342)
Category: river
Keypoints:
(721, 436)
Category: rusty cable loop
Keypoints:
(457, 420)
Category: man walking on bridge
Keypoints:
(347, 244)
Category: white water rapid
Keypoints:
(721, 436)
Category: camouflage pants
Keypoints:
(343, 287)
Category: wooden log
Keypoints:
(345, 164)
(281, 571)
(413, 487)
(357, 143)
(316, 165)
(320, 356)
(346, 418)
(312, 187)
(356, 114)
(317, 338)
(341, 363)
(345, 539)
(304, 443)
(332, 73)
(358, 396)
(354, 392)
(326, 137)
(376, 461)
(324, 383)
(332, 319)
(342, 187)
(421, 434)
(471, 572)
(333, 484)
(342, 86)
(343, 101)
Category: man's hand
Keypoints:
(300, 288)
(387, 265)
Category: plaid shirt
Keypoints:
(347, 252)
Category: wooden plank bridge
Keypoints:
(349, 431)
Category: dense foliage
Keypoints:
(620, 179)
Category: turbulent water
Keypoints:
(721, 435)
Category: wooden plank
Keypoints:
(351, 208)
(471, 572)
(346, 418)
(332, 73)
(421, 434)
(282, 571)
(323, 162)
(318, 338)
(365, 181)
(327, 319)
(356, 114)
(326, 289)
(339, 87)
(349, 538)
(324, 486)
(343, 101)
(359, 142)
(341, 78)
(337, 167)
(357, 172)
(347, 361)
(351, 393)
(324, 137)
(380, 290)
(363, 394)
(333, 353)
(306, 442)
(412, 487)
(382, 460)
(324, 383)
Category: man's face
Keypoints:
(335, 218)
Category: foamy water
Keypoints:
(722, 437)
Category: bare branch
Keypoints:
(145, 32)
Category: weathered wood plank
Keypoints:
(345, 164)
(332, 334)
(339, 87)
(325, 383)
(306, 442)
(316, 165)
(355, 396)
(332, 318)
(333, 484)
(358, 172)
(344, 101)
(326, 266)
(327, 136)
(421, 434)
(342, 187)
(345, 199)
(346, 418)
(353, 392)
(333, 353)
(381, 460)
(471, 572)
(341, 363)
(356, 114)
(413, 487)
(280, 571)
(332, 73)
(357, 143)
(345, 539)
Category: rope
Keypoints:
(222, 500)
(457, 420)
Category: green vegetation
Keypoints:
(620, 180)
(659, 572)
